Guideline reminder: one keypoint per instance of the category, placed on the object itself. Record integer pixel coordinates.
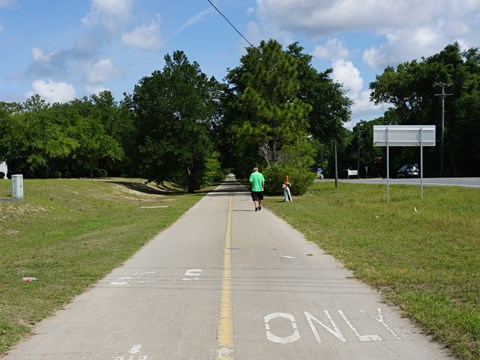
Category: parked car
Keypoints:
(408, 171)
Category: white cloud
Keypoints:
(320, 18)
(195, 19)
(405, 29)
(100, 71)
(53, 91)
(91, 90)
(109, 14)
(40, 55)
(401, 30)
(347, 74)
(333, 49)
(120, 8)
(145, 37)
(101, 25)
(404, 45)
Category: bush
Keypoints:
(213, 172)
(99, 173)
(56, 175)
(300, 179)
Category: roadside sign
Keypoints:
(404, 135)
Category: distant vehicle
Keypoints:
(408, 171)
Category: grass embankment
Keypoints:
(424, 255)
(68, 234)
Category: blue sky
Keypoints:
(65, 49)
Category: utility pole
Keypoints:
(336, 164)
(442, 139)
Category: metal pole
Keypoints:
(358, 158)
(388, 169)
(442, 140)
(421, 162)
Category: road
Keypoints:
(226, 282)
(473, 182)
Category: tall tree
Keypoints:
(174, 111)
(330, 105)
(93, 134)
(263, 100)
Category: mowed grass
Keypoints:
(423, 255)
(68, 234)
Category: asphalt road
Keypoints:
(473, 182)
(226, 282)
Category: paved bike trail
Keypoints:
(226, 282)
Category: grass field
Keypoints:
(68, 234)
(423, 255)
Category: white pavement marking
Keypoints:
(335, 331)
(192, 274)
(282, 340)
(355, 331)
(135, 349)
(121, 281)
(137, 278)
(381, 320)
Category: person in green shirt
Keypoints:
(258, 185)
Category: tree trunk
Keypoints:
(191, 181)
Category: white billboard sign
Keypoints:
(404, 135)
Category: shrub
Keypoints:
(213, 172)
(299, 178)
(99, 173)
(56, 175)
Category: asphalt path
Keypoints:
(226, 282)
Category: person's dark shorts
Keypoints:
(257, 195)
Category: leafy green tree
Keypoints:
(331, 108)
(174, 111)
(307, 104)
(413, 88)
(10, 135)
(29, 137)
(464, 133)
(361, 154)
(94, 143)
(93, 131)
(117, 120)
(263, 101)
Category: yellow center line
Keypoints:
(225, 322)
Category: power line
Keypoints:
(244, 38)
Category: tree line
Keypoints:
(414, 91)
(274, 110)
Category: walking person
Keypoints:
(258, 185)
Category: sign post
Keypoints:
(404, 135)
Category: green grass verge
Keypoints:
(423, 255)
(69, 234)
